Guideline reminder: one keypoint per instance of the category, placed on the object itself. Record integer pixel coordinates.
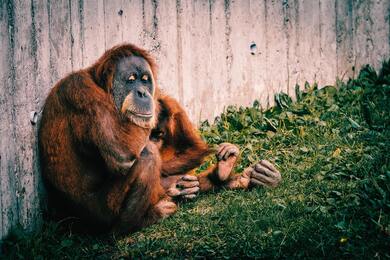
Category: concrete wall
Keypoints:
(202, 47)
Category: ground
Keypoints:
(331, 145)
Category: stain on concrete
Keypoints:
(82, 29)
(228, 46)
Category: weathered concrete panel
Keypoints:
(211, 53)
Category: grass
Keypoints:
(332, 146)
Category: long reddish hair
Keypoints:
(104, 68)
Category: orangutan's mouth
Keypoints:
(141, 115)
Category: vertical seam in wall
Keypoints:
(144, 32)
(34, 42)
(388, 23)
(81, 14)
(12, 39)
(156, 43)
(352, 55)
(2, 15)
(266, 50)
(34, 45)
(155, 19)
(179, 50)
(121, 16)
(71, 34)
(353, 35)
(337, 36)
(286, 21)
(190, 7)
(11, 89)
(229, 54)
(210, 4)
(320, 35)
(104, 24)
(50, 42)
(368, 29)
(34, 51)
(251, 84)
(297, 43)
(211, 31)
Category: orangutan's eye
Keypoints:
(145, 77)
(132, 78)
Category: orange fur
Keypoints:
(88, 149)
